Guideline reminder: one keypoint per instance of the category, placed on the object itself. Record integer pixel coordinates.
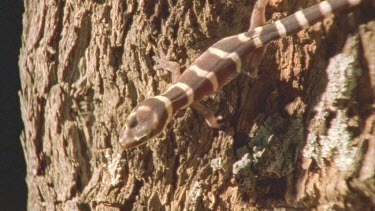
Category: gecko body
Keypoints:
(216, 67)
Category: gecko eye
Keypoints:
(132, 121)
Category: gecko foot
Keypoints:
(212, 120)
(163, 62)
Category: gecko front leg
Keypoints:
(163, 62)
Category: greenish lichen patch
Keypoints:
(275, 144)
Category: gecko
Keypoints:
(217, 66)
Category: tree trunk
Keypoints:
(301, 135)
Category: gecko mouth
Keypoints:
(131, 144)
(128, 140)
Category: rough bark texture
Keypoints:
(301, 135)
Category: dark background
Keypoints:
(13, 192)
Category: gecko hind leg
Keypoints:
(257, 19)
(212, 120)
(258, 14)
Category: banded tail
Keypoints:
(216, 67)
(298, 21)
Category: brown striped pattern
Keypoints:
(216, 67)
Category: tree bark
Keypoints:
(301, 135)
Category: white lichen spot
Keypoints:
(327, 206)
(242, 166)
(342, 76)
(216, 164)
(310, 150)
(337, 143)
(258, 153)
(114, 167)
(332, 140)
(196, 191)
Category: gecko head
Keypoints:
(145, 122)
